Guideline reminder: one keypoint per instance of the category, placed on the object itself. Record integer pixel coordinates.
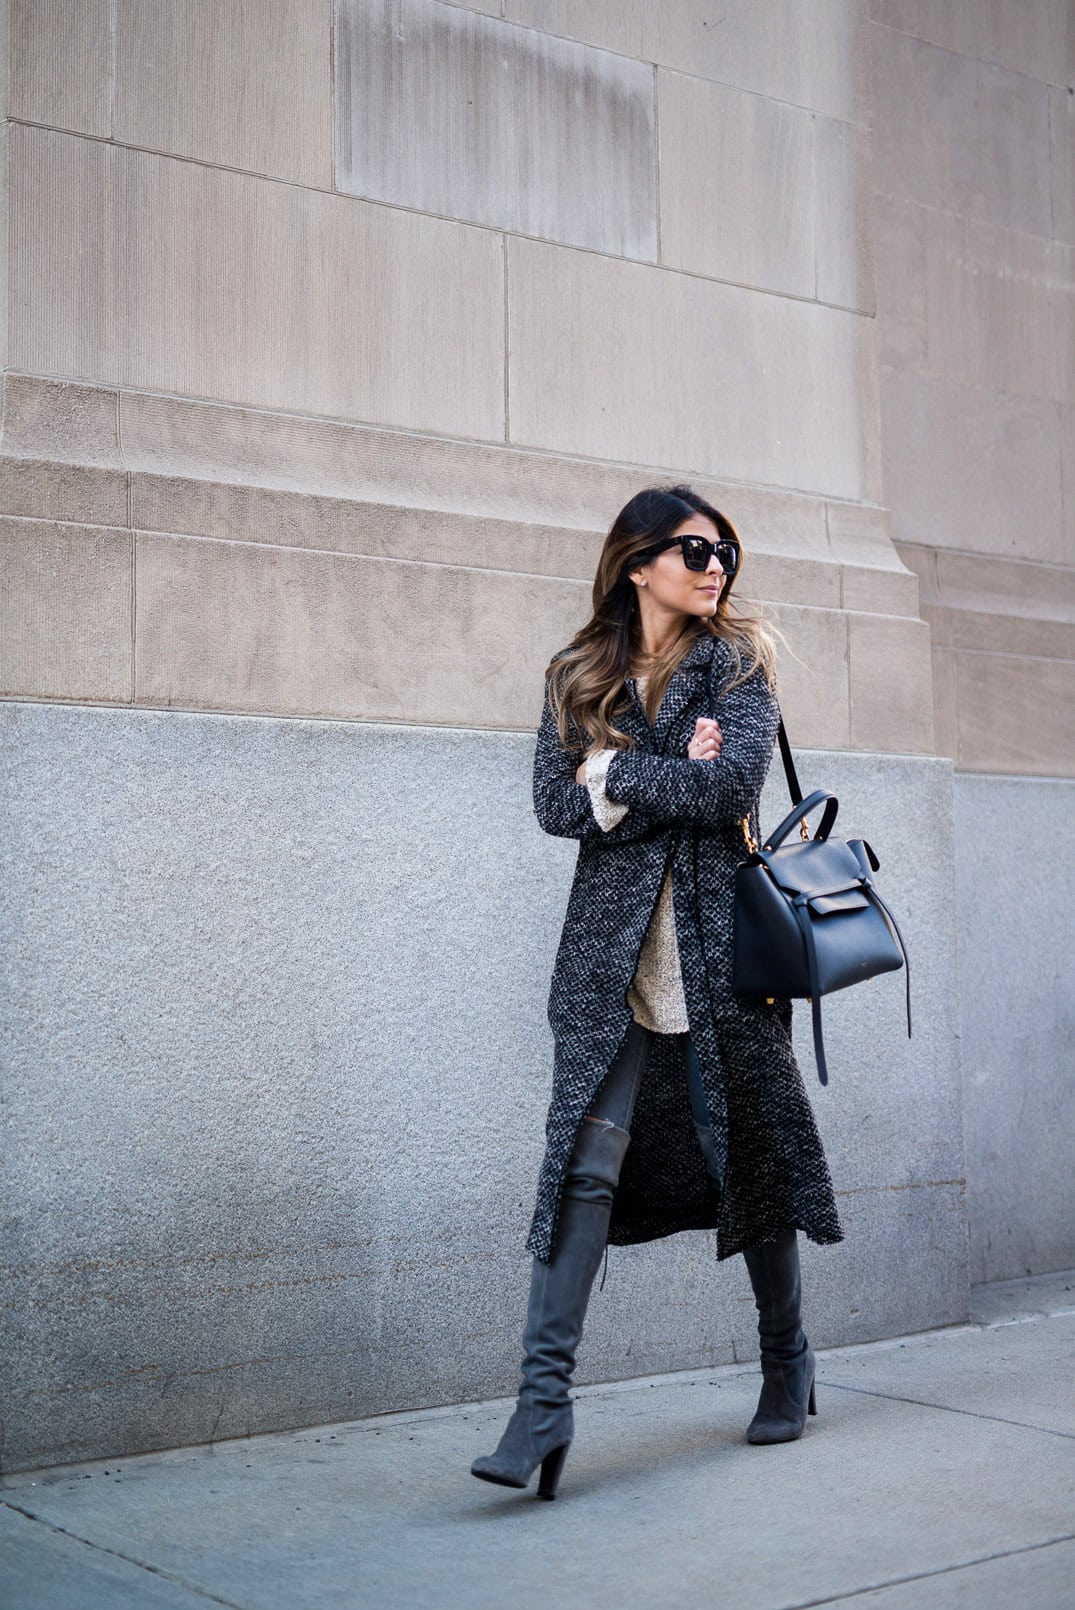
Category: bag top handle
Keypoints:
(820, 795)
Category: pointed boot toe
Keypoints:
(490, 1468)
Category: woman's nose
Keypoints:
(714, 563)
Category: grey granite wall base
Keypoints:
(277, 1065)
(1016, 888)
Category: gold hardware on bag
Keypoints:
(804, 831)
(752, 843)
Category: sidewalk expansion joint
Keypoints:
(944, 1408)
(118, 1554)
(926, 1576)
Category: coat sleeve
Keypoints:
(563, 806)
(706, 793)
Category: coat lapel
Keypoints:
(686, 684)
(634, 721)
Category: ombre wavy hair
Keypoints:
(586, 680)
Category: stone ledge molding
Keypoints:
(278, 560)
(992, 586)
(149, 440)
(1003, 649)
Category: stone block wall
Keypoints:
(337, 332)
(974, 134)
(273, 268)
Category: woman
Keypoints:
(657, 733)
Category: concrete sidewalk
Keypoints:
(939, 1472)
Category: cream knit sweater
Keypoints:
(655, 995)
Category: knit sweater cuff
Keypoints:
(606, 812)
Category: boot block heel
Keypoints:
(812, 1405)
(551, 1469)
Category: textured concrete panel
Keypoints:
(243, 86)
(444, 110)
(716, 218)
(745, 44)
(1015, 961)
(276, 1132)
(1036, 37)
(765, 388)
(59, 63)
(239, 626)
(1016, 714)
(54, 422)
(59, 453)
(891, 694)
(148, 271)
(960, 134)
(65, 611)
(995, 489)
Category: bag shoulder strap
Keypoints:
(789, 765)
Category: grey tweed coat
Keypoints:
(686, 812)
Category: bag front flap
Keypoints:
(812, 866)
(829, 905)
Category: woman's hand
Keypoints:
(705, 745)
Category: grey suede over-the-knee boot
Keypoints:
(787, 1359)
(541, 1428)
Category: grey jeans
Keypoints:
(614, 1102)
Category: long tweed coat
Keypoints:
(686, 812)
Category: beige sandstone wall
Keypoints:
(327, 323)
(974, 177)
(338, 335)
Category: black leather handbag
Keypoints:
(808, 916)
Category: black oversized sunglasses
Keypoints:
(698, 551)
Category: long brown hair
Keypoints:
(586, 680)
